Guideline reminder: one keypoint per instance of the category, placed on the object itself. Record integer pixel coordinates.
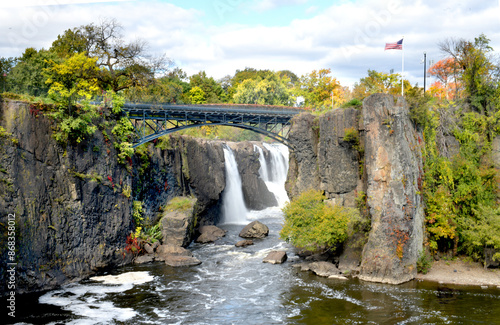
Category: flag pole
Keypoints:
(402, 66)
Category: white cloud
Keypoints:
(348, 37)
(31, 3)
(264, 5)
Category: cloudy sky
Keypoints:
(220, 36)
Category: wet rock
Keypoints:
(148, 248)
(209, 234)
(275, 257)
(155, 245)
(324, 269)
(143, 259)
(244, 243)
(255, 229)
(179, 261)
(163, 252)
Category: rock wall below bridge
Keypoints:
(73, 204)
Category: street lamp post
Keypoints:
(425, 69)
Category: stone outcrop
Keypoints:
(176, 256)
(324, 158)
(244, 243)
(376, 151)
(209, 234)
(178, 225)
(254, 229)
(321, 268)
(275, 257)
(394, 175)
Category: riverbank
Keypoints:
(462, 273)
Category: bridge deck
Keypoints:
(261, 119)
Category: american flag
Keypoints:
(394, 46)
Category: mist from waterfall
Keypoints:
(234, 210)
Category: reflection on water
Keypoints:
(233, 286)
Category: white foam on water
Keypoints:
(88, 301)
(125, 278)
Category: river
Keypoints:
(234, 286)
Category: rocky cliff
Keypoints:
(375, 150)
(394, 179)
(73, 204)
(71, 216)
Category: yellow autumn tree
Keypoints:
(319, 89)
(71, 81)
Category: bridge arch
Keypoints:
(152, 121)
(272, 135)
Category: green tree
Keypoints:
(379, 82)
(71, 42)
(212, 90)
(28, 74)
(122, 64)
(477, 73)
(197, 95)
(313, 224)
(6, 65)
(268, 91)
(318, 89)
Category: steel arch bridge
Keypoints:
(151, 121)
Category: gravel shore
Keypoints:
(462, 273)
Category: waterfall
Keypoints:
(274, 174)
(234, 210)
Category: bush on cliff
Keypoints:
(311, 223)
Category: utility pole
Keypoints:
(425, 69)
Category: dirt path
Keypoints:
(463, 273)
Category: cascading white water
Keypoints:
(234, 210)
(274, 174)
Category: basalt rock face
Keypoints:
(71, 215)
(323, 157)
(394, 177)
(73, 204)
(384, 162)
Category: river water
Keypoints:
(233, 286)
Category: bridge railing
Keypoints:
(215, 108)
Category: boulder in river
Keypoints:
(255, 229)
(143, 259)
(276, 257)
(178, 260)
(209, 234)
(164, 251)
(244, 243)
(175, 256)
(325, 269)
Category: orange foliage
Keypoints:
(447, 85)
